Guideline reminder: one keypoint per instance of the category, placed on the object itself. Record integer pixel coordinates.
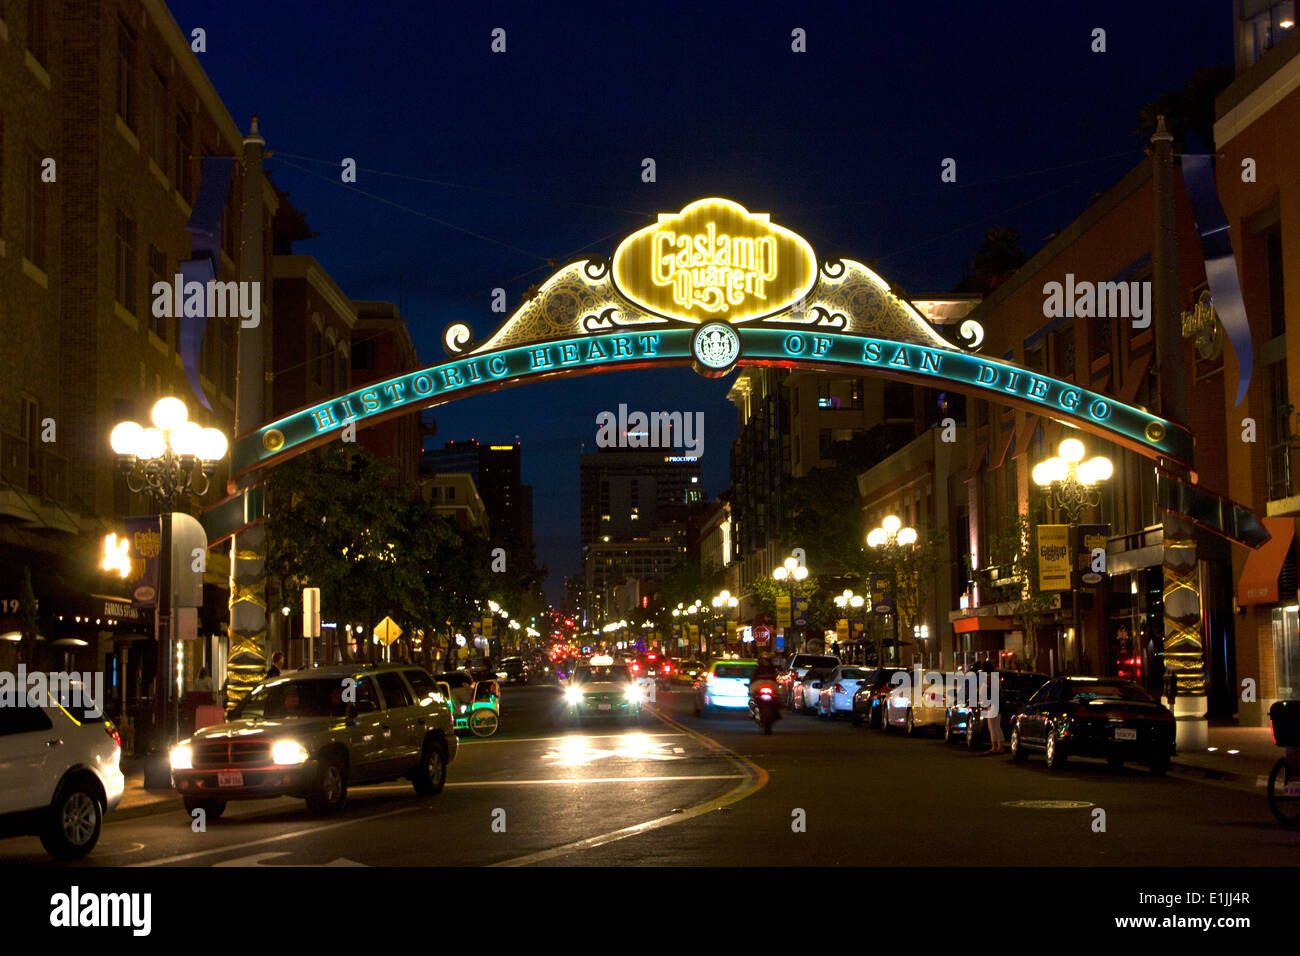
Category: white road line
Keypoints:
(524, 740)
(181, 858)
(754, 778)
(542, 781)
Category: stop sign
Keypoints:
(762, 634)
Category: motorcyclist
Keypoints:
(764, 671)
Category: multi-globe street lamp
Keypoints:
(170, 461)
(723, 601)
(849, 601)
(789, 573)
(889, 536)
(1073, 484)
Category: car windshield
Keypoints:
(809, 660)
(601, 672)
(853, 673)
(1024, 683)
(294, 698)
(1111, 690)
(734, 670)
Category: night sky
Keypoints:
(498, 162)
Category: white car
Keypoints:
(59, 775)
(836, 692)
(805, 691)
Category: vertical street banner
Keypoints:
(695, 634)
(1088, 572)
(882, 599)
(486, 628)
(857, 630)
(144, 534)
(678, 640)
(801, 610)
(842, 630)
(783, 610)
(1053, 557)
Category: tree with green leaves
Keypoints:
(1012, 548)
(911, 572)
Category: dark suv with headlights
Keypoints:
(312, 733)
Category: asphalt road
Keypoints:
(681, 790)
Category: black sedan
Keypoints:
(1095, 717)
(869, 699)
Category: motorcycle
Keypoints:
(763, 706)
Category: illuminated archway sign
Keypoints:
(714, 286)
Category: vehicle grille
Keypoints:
(232, 753)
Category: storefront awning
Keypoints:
(964, 625)
(1258, 582)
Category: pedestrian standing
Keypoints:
(996, 737)
(276, 660)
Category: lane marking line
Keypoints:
(523, 740)
(542, 781)
(755, 779)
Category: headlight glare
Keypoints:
(288, 752)
(182, 757)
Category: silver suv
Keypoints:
(312, 733)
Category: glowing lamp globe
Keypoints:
(169, 413)
(891, 524)
(126, 439)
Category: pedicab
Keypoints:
(476, 705)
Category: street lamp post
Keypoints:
(892, 535)
(788, 573)
(172, 460)
(723, 601)
(849, 600)
(1073, 484)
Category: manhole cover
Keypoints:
(1047, 804)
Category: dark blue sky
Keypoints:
(536, 153)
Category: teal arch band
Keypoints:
(790, 347)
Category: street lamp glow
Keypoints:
(169, 413)
(791, 564)
(126, 438)
(877, 537)
(891, 524)
(780, 574)
(907, 536)
(800, 573)
(1072, 450)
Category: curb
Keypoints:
(1246, 781)
(145, 809)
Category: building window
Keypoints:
(898, 402)
(124, 262)
(157, 273)
(36, 32)
(34, 244)
(184, 145)
(1276, 300)
(158, 118)
(126, 74)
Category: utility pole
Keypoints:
(246, 660)
(1184, 639)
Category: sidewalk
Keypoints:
(1239, 755)
(136, 800)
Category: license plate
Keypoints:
(232, 779)
(1291, 790)
(605, 707)
(1125, 733)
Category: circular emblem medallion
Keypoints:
(715, 346)
(273, 439)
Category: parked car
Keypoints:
(1095, 717)
(805, 691)
(915, 709)
(313, 733)
(724, 685)
(60, 773)
(836, 693)
(800, 665)
(869, 699)
(967, 723)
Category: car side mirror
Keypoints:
(816, 685)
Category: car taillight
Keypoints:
(668, 668)
(112, 732)
(838, 689)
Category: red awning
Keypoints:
(1258, 583)
(964, 624)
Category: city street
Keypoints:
(688, 791)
